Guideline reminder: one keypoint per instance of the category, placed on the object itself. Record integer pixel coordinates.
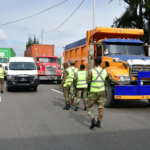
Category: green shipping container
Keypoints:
(7, 53)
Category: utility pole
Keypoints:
(93, 14)
(42, 37)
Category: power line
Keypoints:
(34, 14)
(67, 18)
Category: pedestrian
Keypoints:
(72, 88)
(96, 79)
(80, 81)
(2, 73)
(66, 83)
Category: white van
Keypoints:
(22, 71)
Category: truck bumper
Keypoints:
(138, 91)
(50, 78)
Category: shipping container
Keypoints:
(39, 49)
(7, 53)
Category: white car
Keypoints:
(22, 71)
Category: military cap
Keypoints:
(65, 63)
(72, 62)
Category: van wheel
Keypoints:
(109, 94)
(8, 89)
(35, 89)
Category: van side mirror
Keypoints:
(38, 68)
(6, 68)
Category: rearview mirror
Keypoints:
(38, 68)
(6, 68)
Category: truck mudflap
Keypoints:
(138, 91)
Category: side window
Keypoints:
(99, 51)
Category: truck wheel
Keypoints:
(35, 89)
(59, 81)
(8, 89)
(109, 94)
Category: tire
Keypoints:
(8, 89)
(35, 89)
(59, 81)
(109, 95)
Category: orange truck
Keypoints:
(123, 58)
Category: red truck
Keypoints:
(45, 59)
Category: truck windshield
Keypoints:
(123, 49)
(48, 60)
(22, 66)
(3, 60)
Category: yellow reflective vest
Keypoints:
(81, 79)
(2, 73)
(73, 70)
(69, 78)
(98, 79)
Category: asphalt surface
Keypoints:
(36, 121)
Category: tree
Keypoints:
(136, 15)
(30, 42)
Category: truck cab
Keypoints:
(123, 58)
(49, 68)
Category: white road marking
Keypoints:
(56, 91)
(0, 99)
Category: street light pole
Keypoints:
(93, 14)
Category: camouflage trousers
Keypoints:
(66, 94)
(95, 97)
(79, 93)
(72, 91)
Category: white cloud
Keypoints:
(18, 48)
(3, 36)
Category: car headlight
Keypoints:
(9, 77)
(36, 77)
(122, 78)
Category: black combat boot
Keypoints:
(98, 125)
(66, 107)
(76, 109)
(84, 108)
(93, 123)
(1, 91)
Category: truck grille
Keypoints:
(50, 70)
(135, 68)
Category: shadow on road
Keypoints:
(80, 119)
(132, 104)
(49, 82)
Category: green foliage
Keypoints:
(136, 15)
(30, 42)
(59, 60)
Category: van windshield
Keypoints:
(22, 66)
(48, 60)
(3, 60)
(123, 49)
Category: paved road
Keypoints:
(36, 121)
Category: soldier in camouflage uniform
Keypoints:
(66, 83)
(72, 88)
(80, 81)
(96, 79)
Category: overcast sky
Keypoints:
(15, 35)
